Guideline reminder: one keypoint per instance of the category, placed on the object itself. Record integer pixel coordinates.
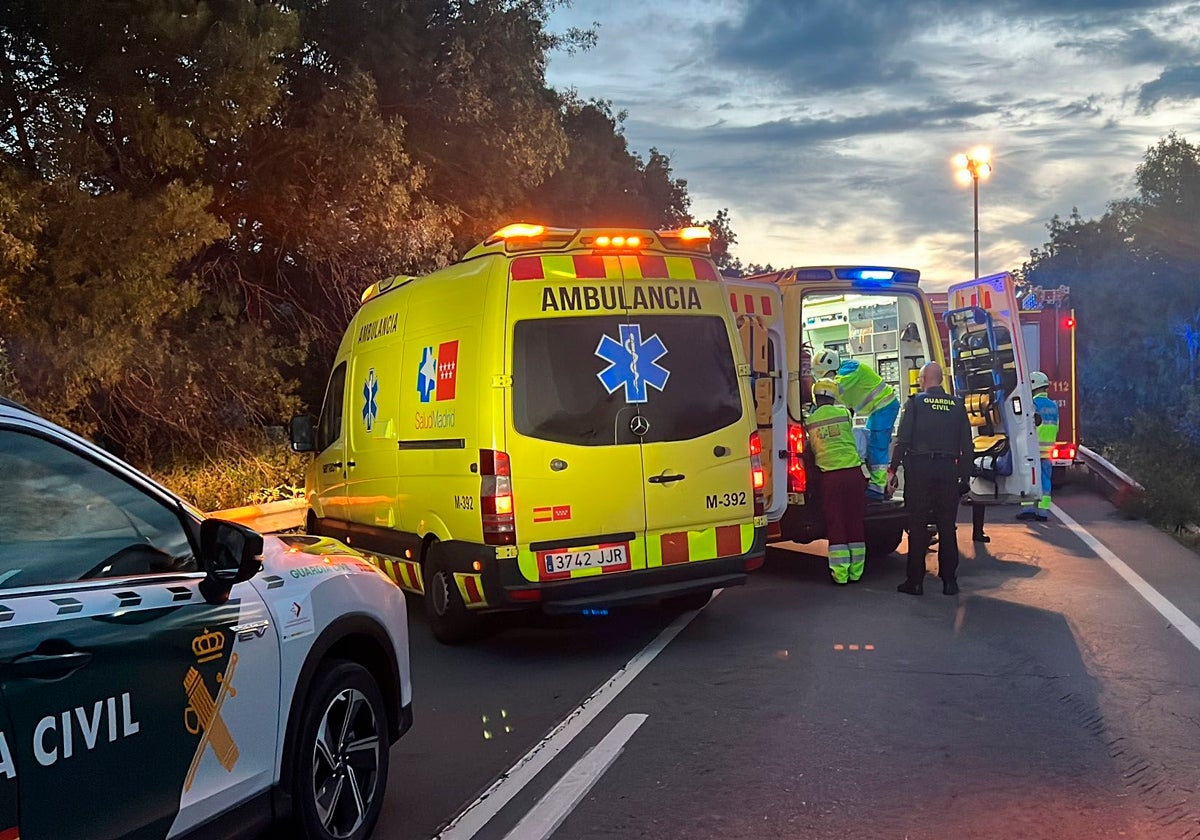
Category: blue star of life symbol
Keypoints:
(633, 363)
(427, 374)
(370, 407)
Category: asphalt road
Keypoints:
(1048, 699)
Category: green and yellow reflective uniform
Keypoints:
(843, 501)
(865, 393)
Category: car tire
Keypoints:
(690, 601)
(884, 539)
(449, 619)
(342, 746)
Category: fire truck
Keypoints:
(1048, 329)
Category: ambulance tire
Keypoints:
(449, 619)
(883, 539)
(340, 687)
(691, 601)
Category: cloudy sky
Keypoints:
(827, 126)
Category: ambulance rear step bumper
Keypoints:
(643, 594)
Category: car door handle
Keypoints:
(351, 465)
(666, 479)
(337, 465)
(40, 666)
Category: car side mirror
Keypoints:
(302, 433)
(230, 553)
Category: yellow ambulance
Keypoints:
(562, 420)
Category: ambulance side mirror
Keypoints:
(230, 553)
(302, 433)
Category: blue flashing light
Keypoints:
(594, 612)
(875, 274)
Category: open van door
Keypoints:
(758, 312)
(990, 372)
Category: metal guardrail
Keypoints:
(273, 516)
(1121, 488)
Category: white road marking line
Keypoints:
(548, 814)
(489, 803)
(1169, 611)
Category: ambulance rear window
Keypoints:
(582, 380)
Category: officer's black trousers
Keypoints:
(931, 495)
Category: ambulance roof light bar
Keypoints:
(691, 238)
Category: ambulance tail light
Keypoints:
(496, 498)
(1063, 452)
(797, 475)
(758, 476)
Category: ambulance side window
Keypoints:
(65, 518)
(329, 427)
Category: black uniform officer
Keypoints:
(934, 445)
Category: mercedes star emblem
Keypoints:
(639, 425)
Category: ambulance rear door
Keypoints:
(758, 313)
(573, 444)
(694, 411)
(990, 371)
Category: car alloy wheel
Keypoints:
(345, 766)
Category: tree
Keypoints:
(602, 182)
(1133, 275)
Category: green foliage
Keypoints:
(1158, 456)
(193, 193)
(258, 470)
(601, 182)
(1133, 275)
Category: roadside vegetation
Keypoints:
(193, 195)
(1134, 275)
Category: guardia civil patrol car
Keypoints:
(561, 420)
(167, 675)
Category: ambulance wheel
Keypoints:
(449, 618)
(342, 755)
(884, 539)
(691, 601)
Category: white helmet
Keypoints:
(825, 363)
(1038, 381)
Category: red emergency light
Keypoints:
(1069, 323)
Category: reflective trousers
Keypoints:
(844, 504)
(931, 495)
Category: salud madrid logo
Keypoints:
(437, 378)
(632, 363)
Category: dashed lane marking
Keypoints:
(1153, 597)
(489, 803)
(558, 803)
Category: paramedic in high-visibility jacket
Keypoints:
(865, 393)
(830, 430)
(1045, 417)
